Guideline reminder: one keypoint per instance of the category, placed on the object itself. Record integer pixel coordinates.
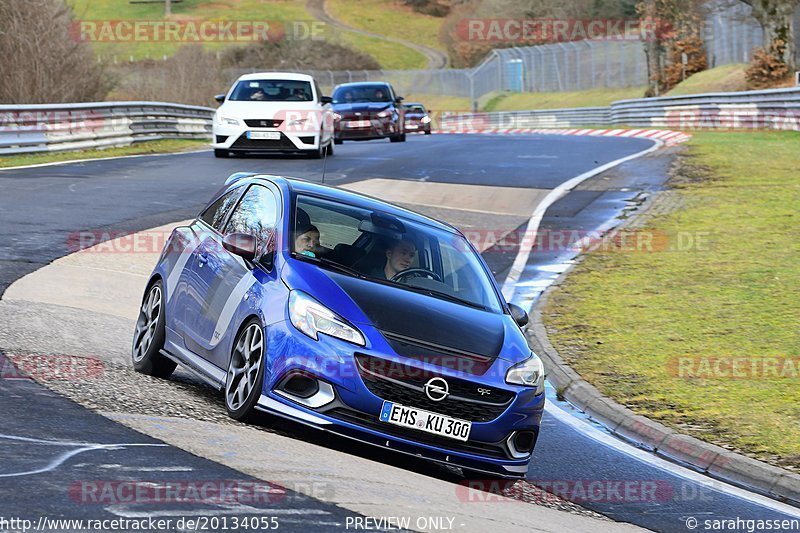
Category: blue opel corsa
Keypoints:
(348, 314)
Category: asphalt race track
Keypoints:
(43, 206)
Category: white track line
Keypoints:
(71, 161)
(521, 260)
(582, 426)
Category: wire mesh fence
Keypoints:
(731, 35)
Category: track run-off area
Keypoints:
(115, 426)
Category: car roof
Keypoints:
(414, 103)
(363, 84)
(277, 76)
(302, 186)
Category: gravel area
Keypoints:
(113, 388)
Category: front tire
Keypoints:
(148, 339)
(245, 377)
(338, 141)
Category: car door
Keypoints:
(181, 286)
(222, 279)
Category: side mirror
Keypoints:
(241, 244)
(519, 315)
(325, 100)
(399, 99)
(220, 98)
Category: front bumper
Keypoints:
(352, 409)
(234, 139)
(378, 129)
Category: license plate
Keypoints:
(358, 124)
(411, 126)
(411, 417)
(264, 135)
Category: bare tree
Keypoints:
(44, 58)
(777, 19)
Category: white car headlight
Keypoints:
(529, 373)
(384, 114)
(425, 120)
(313, 318)
(297, 122)
(337, 116)
(230, 121)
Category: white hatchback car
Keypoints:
(273, 112)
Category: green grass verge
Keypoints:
(390, 18)
(721, 79)
(390, 56)
(623, 319)
(147, 147)
(284, 11)
(589, 98)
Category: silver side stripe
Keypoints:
(268, 404)
(231, 304)
(183, 257)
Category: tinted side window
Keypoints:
(256, 213)
(215, 215)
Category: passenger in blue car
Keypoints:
(306, 240)
(399, 256)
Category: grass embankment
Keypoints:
(378, 16)
(147, 147)
(279, 11)
(392, 19)
(624, 320)
(726, 78)
(589, 98)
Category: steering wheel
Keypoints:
(417, 272)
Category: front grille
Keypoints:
(243, 143)
(370, 421)
(403, 384)
(263, 123)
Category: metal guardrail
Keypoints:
(768, 109)
(59, 127)
(544, 118)
(43, 128)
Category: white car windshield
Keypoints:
(272, 91)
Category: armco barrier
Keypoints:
(58, 127)
(769, 109)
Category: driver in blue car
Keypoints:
(399, 257)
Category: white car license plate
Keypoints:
(411, 126)
(411, 417)
(265, 135)
(358, 124)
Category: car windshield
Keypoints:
(272, 91)
(415, 109)
(387, 249)
(361, 93)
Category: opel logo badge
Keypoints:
(436, 389)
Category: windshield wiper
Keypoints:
(332, 264)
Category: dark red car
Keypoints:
(367, 110)
(417, 118)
